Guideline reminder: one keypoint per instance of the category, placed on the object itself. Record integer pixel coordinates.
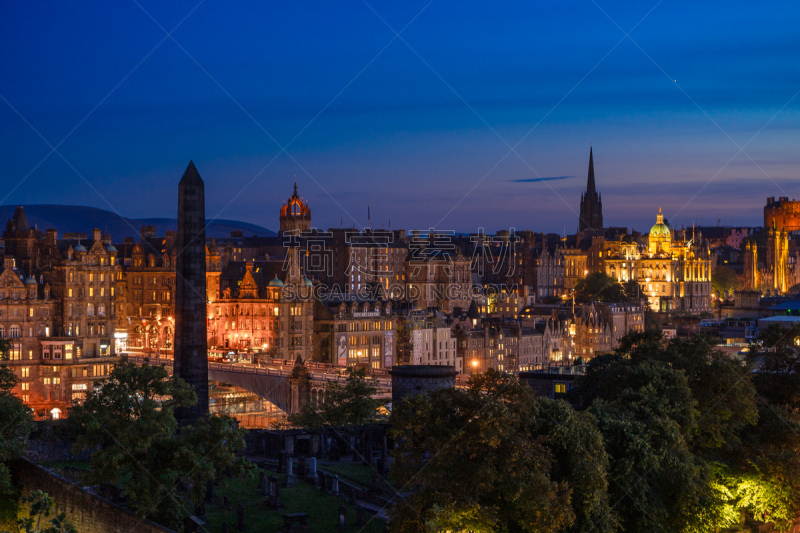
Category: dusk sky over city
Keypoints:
(696, 111)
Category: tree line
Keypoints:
(660, 436)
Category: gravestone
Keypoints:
(289, 481)
(240, 517)
(335, 485)
(283, 457)
(263, 484)
(295, 523)
(312, 469)
(342, 518)
(335, 453)
(322, 480)
(274, 493)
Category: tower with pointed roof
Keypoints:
(591, 214)
(20, 240)
(295, 214)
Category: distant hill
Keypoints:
(81, 219)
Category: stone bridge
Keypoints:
(281, 382)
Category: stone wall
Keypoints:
(88, 512)
(408, 380)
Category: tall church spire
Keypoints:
(591, 214)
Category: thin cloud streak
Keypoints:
(544, 178)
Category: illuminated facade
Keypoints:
(295, 215)
(672, 274)
(778, 260)
(256, 311)
(782, 214)
(575, 268)
(774, 266)
(355, 333)
(57, 309)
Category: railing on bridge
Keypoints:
(329, 373)
(249, 369)
(283, 367)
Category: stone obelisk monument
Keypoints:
(191, 342)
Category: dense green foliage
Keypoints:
(724, 281)
(494, 457)
(343, 405)
(692, 445)
(16, 421)
(599, 287)
(128, 423)
(664, 436)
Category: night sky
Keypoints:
(418, 126)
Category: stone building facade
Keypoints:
(437, 277)
(598, 327)
(58, 309)
(782, 214)
(255, 310)
(672, 273)
(355, 333)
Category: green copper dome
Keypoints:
(660, 229)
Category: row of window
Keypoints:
(376, 325)
(101, 276)
(81, 292)
(244, 311)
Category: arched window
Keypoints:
(15, 331)
(153, 330)
(2, 332)
(90, 309)
(101, 309)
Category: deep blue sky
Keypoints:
(415, 131)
